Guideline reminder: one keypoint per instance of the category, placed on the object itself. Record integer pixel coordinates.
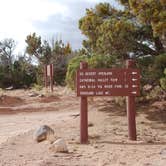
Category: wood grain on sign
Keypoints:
(108, 82)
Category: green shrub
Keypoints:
(152, 70)
(145, 65)
(59, 76)
(37, 87)
(39, 75)
(165, 71)
(159, 66)
(163, 81)
(155, 94)
(120, 100)
(101, 61)
(94, 61)
(74, 64)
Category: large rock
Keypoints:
(59, 146)
(44, 133)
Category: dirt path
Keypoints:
(18, 124)
(108, 134)
(21, 114)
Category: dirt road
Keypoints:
(13, 125)
(108, 132)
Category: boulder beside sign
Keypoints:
(108, 82)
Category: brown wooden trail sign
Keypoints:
(48, 74)
(108, 82)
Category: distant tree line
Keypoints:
(15, 70)
(21, 70)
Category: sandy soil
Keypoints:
(108, 144)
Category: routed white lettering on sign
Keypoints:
(108, 82)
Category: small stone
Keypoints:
(59, 146)
(41, 95)
(78, 155)
(163, 152)
(123, 163)
(147, 164)
(33, 94)
(74, 150)
(150, 141)
(90, 124)
(13, 143)
(142, 122)
(9, 88)
(96, 146)
(75, 115)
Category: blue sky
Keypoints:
(48, 18)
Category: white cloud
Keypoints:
(16, 16)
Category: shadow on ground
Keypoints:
(111, 108)
(155, 111)
(156, 115)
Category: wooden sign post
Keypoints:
(84, 113)
(130, 101)
(51, 77)
(108, 82)
(45, 76)
(49, 71)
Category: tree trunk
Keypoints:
(158, 45)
